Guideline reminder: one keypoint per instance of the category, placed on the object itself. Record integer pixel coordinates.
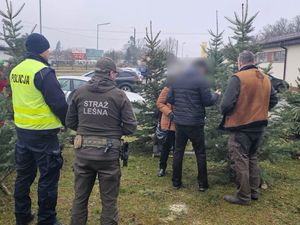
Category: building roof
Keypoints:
(281, 41)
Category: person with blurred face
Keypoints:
(245, 105)
(39, 112)
(189, 95)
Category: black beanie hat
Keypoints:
(37, 43)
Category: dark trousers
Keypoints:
(196, 135)
(166, 148)
(86, 171)
(37, 151)
(243, 148)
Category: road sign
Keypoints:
(93, 54)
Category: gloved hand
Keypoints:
(171, 116)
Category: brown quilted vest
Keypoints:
(253, 101)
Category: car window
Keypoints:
(125, 74)
(90, 74)
(65, 84)
(78, 83)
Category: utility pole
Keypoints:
(101, 24)
(134, 36)
(182, 49)
(40, 1)
(217, 21)
(176, 48)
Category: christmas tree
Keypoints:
(216, 140)
(242, 26)
(155, 61)
(15, 47)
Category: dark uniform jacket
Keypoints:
(101, 109)
(189, 95)
(247, 99)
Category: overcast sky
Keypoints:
(73, 22)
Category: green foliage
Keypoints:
(155, 60)
(15, 42)
(216, 140)
(11, 33)
(7, 141)
(131, 54)
(242, 26)
(282, 137)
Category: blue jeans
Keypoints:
(37, 150)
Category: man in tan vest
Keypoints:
(245, 105)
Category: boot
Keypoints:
(235, 200)
(25, 221)
(162, 173)
(202, 188)
(254, 197)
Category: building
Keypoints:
(284, 54)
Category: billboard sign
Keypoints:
(78, 54)
(93, 54)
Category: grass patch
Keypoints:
(146, 199)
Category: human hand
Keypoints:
(218, 92)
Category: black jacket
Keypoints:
(190, 94)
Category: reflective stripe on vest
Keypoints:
(30, 109)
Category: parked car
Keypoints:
(134, 70)
(278, 84)
(70, 83)
(126, 80)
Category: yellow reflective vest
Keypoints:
(30, 109)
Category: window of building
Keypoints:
(270, 57)
(279, 56)
(261, 57)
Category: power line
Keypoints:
(125, 32)
(79, 34)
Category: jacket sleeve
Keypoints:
(207, 97)
(161, 102)
(231, 95)
(273, 99)
(129, 122)
(72, 114)
(170, 96)
(46, 82)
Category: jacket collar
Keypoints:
(248, 67)
(37, 58)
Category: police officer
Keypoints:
(100, 113)
(39, 113)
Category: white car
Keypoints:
(70, 83)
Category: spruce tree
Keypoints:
(15, 47)
(155, 61)
(216, 140)
(242, 26)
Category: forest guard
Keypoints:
(101, 114)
